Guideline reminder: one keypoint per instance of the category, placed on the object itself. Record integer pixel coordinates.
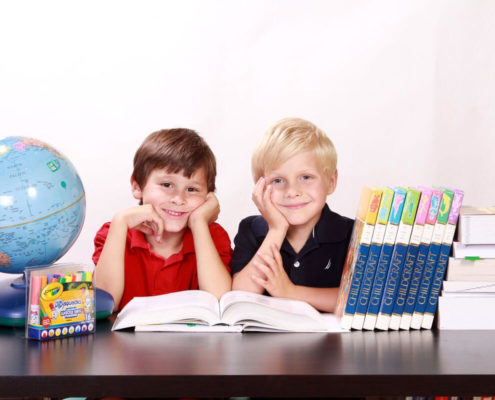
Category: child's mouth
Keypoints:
(295, 206)
(174, 213)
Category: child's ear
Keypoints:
(333, 182)
(136, 189)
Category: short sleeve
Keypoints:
(99, 241)
(221, 241)
(246, 244)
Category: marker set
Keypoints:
(60, 301)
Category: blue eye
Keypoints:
(305, 177)
(192, 189)
(277, 180)
(166, 184)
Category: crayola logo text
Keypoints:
(52, 291)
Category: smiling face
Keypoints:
(173, 195)
(300, 189)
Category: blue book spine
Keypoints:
(357, 277)
(424, 287)
(436, 285)
(379, 284)
(400, 299)
(412, 292)
(390, 290)
(443, 259)
(367, 281)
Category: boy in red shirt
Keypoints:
(168, 242)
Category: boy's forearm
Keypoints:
(242, 280)
(323, 299)
(109, 272)
(212, 274)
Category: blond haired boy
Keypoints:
(296, 248)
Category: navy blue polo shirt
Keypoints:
(319, 263)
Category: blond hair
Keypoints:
(288, 137)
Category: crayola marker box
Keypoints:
(60, 301)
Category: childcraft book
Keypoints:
(235, 311)
(373, 256)
(357, 254)
(424, 246)
(411, 255)
(431, 259)
(383, 262)
(398, 258)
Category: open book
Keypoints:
(236, 311)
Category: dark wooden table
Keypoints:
(128, 364)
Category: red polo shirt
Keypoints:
(148, 274)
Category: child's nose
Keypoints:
(178, 198)
(293, 190)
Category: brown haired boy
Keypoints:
(168, 242)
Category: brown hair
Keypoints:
(176, 150)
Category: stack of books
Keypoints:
(467, 300)
(397, 257)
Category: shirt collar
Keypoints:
(138, 240)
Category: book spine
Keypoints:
(431, 259)
(400, 299)
(373, 256)
(443, 258)
(412, 252)
(384, 259)
(378, 286)
(362, 254)
(398, 257)
(417, 274)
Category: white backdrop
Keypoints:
(406, 90)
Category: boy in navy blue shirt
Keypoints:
(297, 247)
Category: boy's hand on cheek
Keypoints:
(206, 212)
(276, 281)
(262, 197)
(143, 218)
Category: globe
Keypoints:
(42, 210)
(42, 204)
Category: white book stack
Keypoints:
(467, 300)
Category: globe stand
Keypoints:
(13, 302)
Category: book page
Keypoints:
(286, 305)
(185, 306)
(239, 307)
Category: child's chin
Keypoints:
(176, 228)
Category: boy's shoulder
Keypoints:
(255, 225)
(217, 229)
(333, 227)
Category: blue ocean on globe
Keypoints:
(42, 204)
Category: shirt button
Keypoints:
(297, 264)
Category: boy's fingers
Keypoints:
(276, 255)
(160, 227)
(259, 281)
(264, 269)
(266, 259)
(267, 194)
(258, 191)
